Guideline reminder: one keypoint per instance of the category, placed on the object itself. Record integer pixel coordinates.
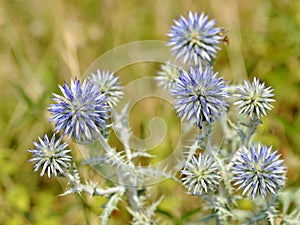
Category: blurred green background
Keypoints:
(45, 43)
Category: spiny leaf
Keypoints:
(110, 206)
(291, 219)
(142, 154)
(118, 160)
(150, 172)
(68, 191)
(151, 210)
(144, 215)
(271, 215)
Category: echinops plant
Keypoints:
(221, 174)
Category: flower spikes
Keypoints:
(50, 155)
(81, 112)
(258, 171)
(254, 99)
(195, 39)
(201, 174)
(199, 95)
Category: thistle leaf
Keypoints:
(110, 206)
(118, 160)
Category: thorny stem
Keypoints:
(252, 128)
(90, 189)
(205, 134)
(205, 138)
(121, 127)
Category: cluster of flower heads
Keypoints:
(195, 39)
(257, 170)
(81, 113)
(200, 97)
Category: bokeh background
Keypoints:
(43, 43)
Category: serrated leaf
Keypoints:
(148, 172)
(118, 160)
(110, 206)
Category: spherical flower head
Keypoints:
(167, 75)
(195, 39)
(109, 85)
(254, 99)
(199, 95)
(81, 113)
(52, 156)
(201, 175)
(258, 171)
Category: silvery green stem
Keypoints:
(132, 194)
(207, 131)
(133, 198)
(251, 130)
(121, 127)
(205, 136)
(193, 149)
(104, 143)
(126, 145)
(91, 189)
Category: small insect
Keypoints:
(223, 33)
(225, 40)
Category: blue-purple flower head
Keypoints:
(109, 85)
(258, 171)
(51, 156)
(201, 175)
(254, 99)
(81, 112)
(199, 95)
(195, 39)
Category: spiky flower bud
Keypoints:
(109, 85)
(254, 99)
(52, 156)
(201, 175)
(167, 75)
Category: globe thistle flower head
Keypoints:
(167, 75)
(258, 171)
(201, 175)
(109, 85)
(199, 95)
(195, 39)
(254, 99)
(81, 112)
(51, 156)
